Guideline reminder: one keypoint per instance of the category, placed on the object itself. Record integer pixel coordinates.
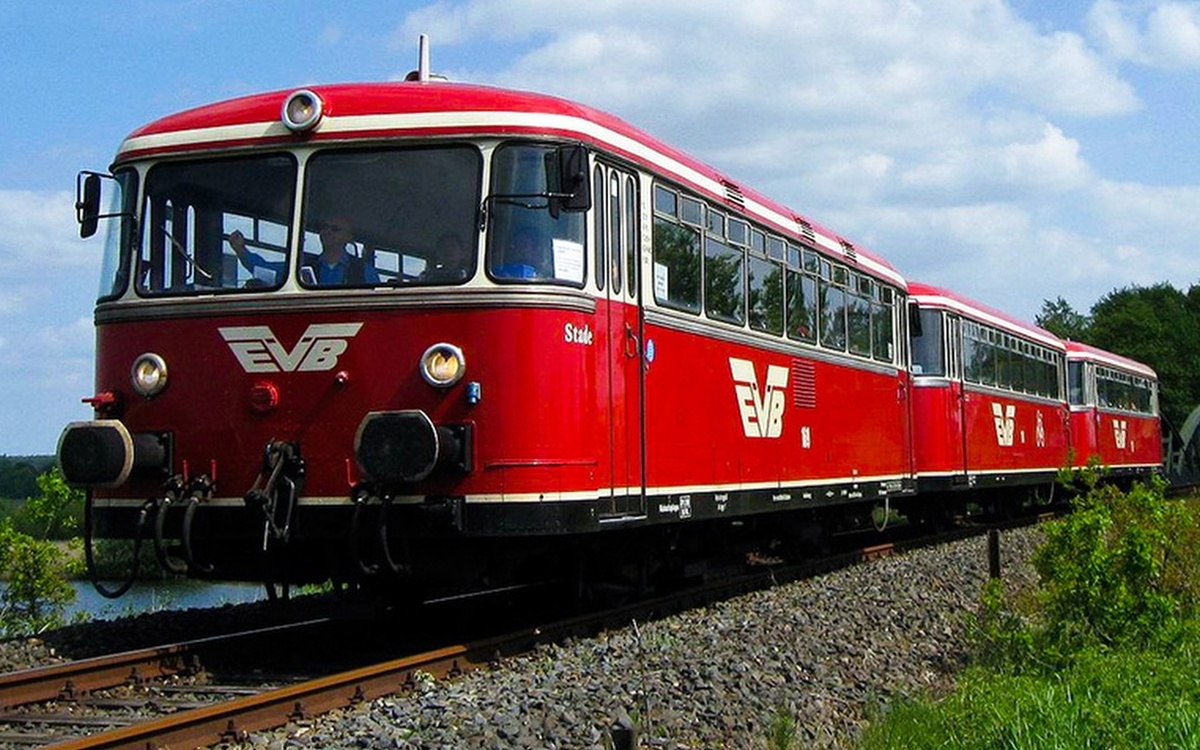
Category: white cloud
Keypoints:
(45, 303)
(1162, 34)
(38, 233)
(1053, 161)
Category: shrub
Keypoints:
(1119, 569)
(38, 584)
(1123, 569)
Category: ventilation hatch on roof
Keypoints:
(733, 194)
(805, 229)
(849, 250)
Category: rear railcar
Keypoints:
(1114, 412)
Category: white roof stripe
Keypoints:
(983, 315)
(494, 119)
(1113, 361)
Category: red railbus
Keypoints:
(989, 406)
(465, 336)
(1114, 412)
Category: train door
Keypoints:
(617, 254)
(958, 412)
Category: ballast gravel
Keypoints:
(819, 656)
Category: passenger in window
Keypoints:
(451, 262)
(266, 272)
(332, 267)
(335, 265)
(526, 256)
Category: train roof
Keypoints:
(439, 109)
(1089, 353)
(934, 296)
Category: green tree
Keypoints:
(1059, 318)
(18, 477)
(57, 512)
(1160, 326)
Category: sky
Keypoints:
(1012, 150)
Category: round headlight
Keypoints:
(149, 374)
(301, 110)
(443, 365)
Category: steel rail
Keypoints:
(72, 680)
(233, 720)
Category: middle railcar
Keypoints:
(989, 405)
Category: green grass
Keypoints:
(1122, 699)
(1104, 654)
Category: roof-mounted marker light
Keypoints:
(302, 111)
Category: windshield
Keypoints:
(217, 225)
(528, 241)
(398, 216)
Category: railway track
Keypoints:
(158, 705)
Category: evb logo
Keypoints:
(1005, 418)
(1120, 432)
(258, 349)
(761, 411)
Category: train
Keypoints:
(442, 337)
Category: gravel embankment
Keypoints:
(824, 652)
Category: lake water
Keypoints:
(153, 596)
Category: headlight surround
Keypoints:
(443, 365)
(302, 111)
(149, 374)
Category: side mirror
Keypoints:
(87, 203)
(567, 178)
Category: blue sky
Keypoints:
(1014, 150)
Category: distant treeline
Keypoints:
(18, 475)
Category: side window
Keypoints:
(119, 235)
(801, 306)
(1004, 361)
(858, 313)
(724, 282)
(766, 295)
(632, 239)
(973, 352)
(599, 225)
(677, 259)
(928, 344)
(616, 233)
(832, 293)
(883, 323)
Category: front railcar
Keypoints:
(305, 339)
